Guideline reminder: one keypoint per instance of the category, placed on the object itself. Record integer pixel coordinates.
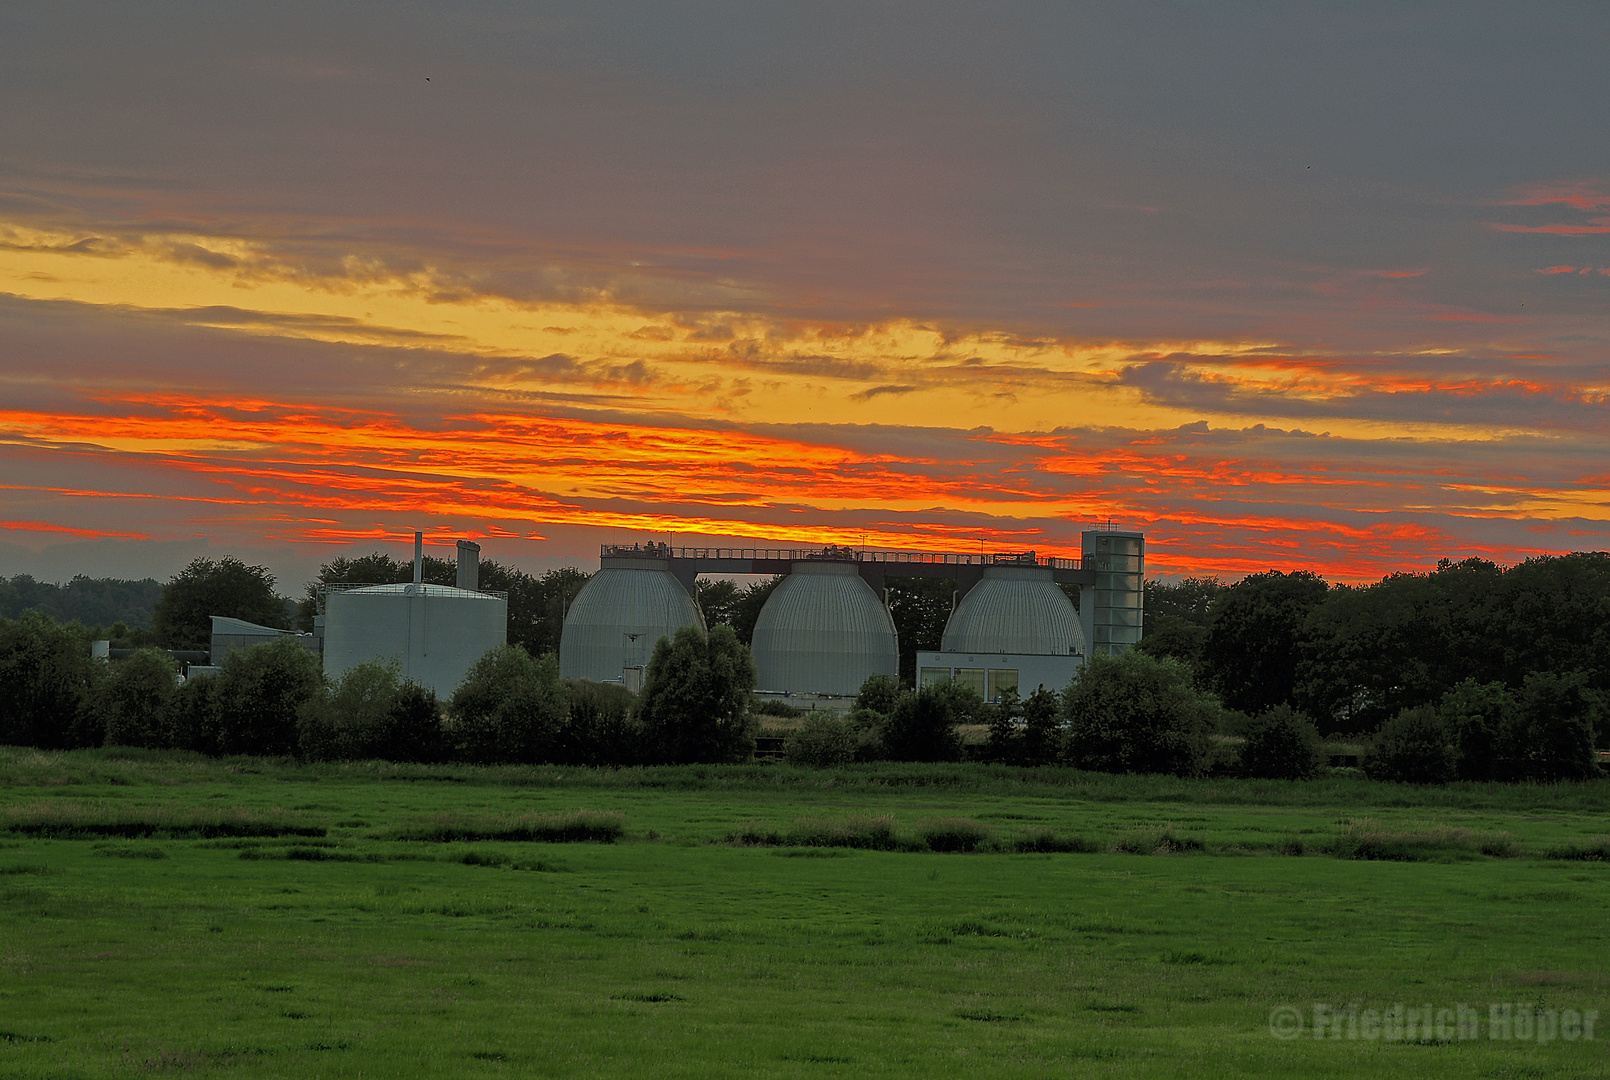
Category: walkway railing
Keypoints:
(838, 554)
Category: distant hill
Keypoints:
(91, 601)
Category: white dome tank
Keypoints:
(1015, 610)
(823, 631)
(619, 616)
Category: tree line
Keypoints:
(1466, 672)
(1354, 657)
(274, 699)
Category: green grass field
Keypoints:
(170, 914)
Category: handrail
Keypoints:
(838, 554)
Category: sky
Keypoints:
(1283, 286)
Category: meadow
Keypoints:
(167, 913)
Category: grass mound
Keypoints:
(578, 826)
(54, 820)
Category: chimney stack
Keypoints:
(419, 557)
(469, 565)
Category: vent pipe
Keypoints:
(419, 557)
(469, 565)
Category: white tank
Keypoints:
(618, 616)
(823, 631)
(1015, 609)
(434, 632)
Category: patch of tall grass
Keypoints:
(57, 820)
(577, 826)
(1418, 842)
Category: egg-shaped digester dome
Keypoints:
(618, 617)
(823, 631)
(1015, 609)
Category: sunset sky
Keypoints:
(1285, 287)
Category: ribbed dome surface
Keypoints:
(1015, 609)
(823, 631)
(619, 615)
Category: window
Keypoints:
(973, 678)
(1000, 681)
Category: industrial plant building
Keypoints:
(826, 627)
(823, 631)
(436, 633)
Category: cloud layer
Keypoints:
(1279, 289)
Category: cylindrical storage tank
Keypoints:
(619, 616)
(823, 631)
(435, 633)
(1015, 609)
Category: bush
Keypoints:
(1551, 735)
(1042, 728)
(194, 715)
(371, 712)
(45, 674)
(695, 702)
(1137, 713)
(880, 694)
(822, 740)
(510, 708)
(260, 691)
(601, 730)
(923, 725)
(1281, 745)
(415, 730)
(132, 702)
(1413, 747)
(772, 707)
(1476, 716)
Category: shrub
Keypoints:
(45, 674)
(1476, 716)
(133, 699)
(414, 728)
(347, 719)
(1413, 748)
(695, 702)
(1281, 745)
(509, 708)
(880, 694)
(822, 740)
(772, 707)
(370, 711)
(1042, 728)
(600, 730)
(866, 733)
(193, 715)
(923, 725)
(1551, 736)
(1137, 713)
(260, 691)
